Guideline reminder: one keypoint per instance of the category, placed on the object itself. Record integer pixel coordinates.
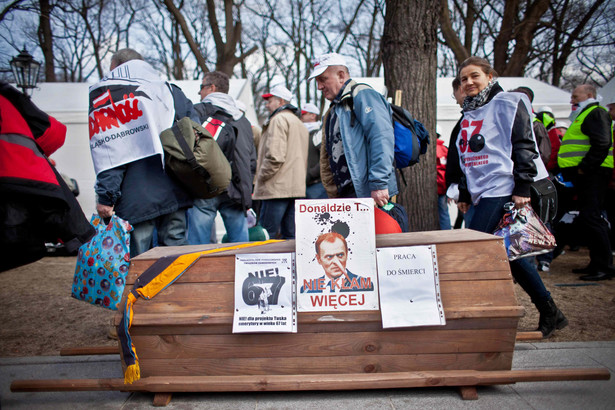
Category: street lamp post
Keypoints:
(25, 69)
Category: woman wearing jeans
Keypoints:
(499, 160)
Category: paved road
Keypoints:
(544, 395)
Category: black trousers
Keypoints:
(591, 191)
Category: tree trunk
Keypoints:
(45, 40)
(409, 55)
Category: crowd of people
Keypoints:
(497, 150)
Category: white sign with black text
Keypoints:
(409, 286)
(264, 293)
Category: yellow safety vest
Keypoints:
(575, 144)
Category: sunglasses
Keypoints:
(205, 85)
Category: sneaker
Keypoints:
(544, 266)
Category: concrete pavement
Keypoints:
(534, 395)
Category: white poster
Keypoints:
(336, 255)
(409, 287)
(264, 288)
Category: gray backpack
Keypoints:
(194, 158)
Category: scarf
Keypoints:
(128, 110)
(151, 282)
(472, 103)
(577, 108)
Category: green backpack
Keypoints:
(194, 158)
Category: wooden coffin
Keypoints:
(186, 330)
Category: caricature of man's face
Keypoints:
(332, 256)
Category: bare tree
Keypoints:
(45, 39)
(409, 57)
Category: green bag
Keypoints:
(194, 158)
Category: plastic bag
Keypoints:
(524, 233)
(102, 263)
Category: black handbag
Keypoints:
(543, 197)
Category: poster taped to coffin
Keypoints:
(409, 286)
(264, 293)
(336, 255)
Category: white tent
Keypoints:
(607, 93)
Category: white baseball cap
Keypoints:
(545, 109)
(279, 91)
(322, 62)
(311, 108)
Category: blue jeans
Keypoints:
(445, 218)
(170, 229)
(278, 215)
(487, 215)
(202, 215)
(316, 191)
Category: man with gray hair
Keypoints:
(586, 159)
(128, 110)
(356, 160)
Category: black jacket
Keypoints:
(142, 190)
(237, 144)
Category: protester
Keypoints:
(281, 165)
(356, 160)
(310, 116)
(545, 115)
(36, 205)
(220, 115)
(586, 159)
(130, 179)
(499, 162)
(453, 175)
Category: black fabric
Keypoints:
(313, 167)
(141, 190)
(597, 126)
(237, 144)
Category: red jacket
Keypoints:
(441, 153)
(555, 136)
(36, 206)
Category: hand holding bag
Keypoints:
(102, 263)
(524, 233)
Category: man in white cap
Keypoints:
(356, 160)
(310, 116)
(281, 164)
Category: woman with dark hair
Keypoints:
(499, 160)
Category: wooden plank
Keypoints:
(324, 345)
(208, 298)
(524, 336)
(314, 382)
(389, 240)
(468, 393)
(90, 350)
(453, 259)
(162, 399)
(175, 324)
(215, 366)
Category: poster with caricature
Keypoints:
(336, 255)
(264, 293)
(409, 286)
